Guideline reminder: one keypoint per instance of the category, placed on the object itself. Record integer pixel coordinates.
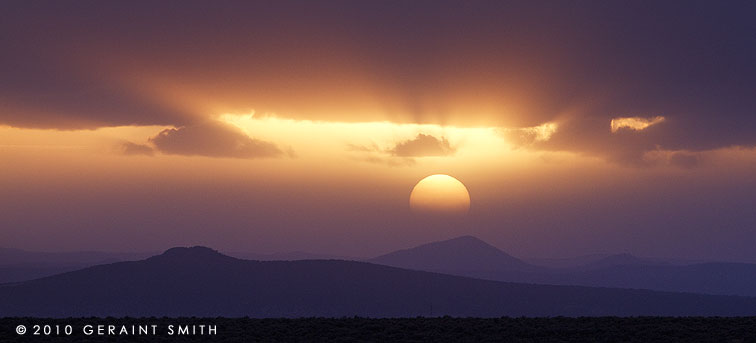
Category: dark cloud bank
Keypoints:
(211, 138)
(404, 153)
(510, 64)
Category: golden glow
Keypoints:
(541, 132)
(525, 136)
(440, 195)
(634, 123)
(544, 131)
(366, 141)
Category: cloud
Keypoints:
(403, 153)
(452, 65)
(526, 136)
(214, 139)
(41, 90)
(423, 145)
(634, 123)
(588, 135)
(129, 148)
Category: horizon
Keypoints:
(528, 259)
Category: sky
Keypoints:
(577, 127)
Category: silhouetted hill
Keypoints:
(192, 254)
(466, 253)
(201, 282)
(471, 257)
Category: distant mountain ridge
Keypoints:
(466, 256)
(466, 253)
(200, 281)
(471, 257)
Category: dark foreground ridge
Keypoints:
(445, 329)
(202, 282)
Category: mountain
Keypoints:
(462, 254)
(469, 256)
(199, 281)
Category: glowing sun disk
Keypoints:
(440, 195)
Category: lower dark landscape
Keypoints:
(201, 282)
(556, 329)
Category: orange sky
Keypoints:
(341, 187)
(264, 128)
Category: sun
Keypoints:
(440, 195)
